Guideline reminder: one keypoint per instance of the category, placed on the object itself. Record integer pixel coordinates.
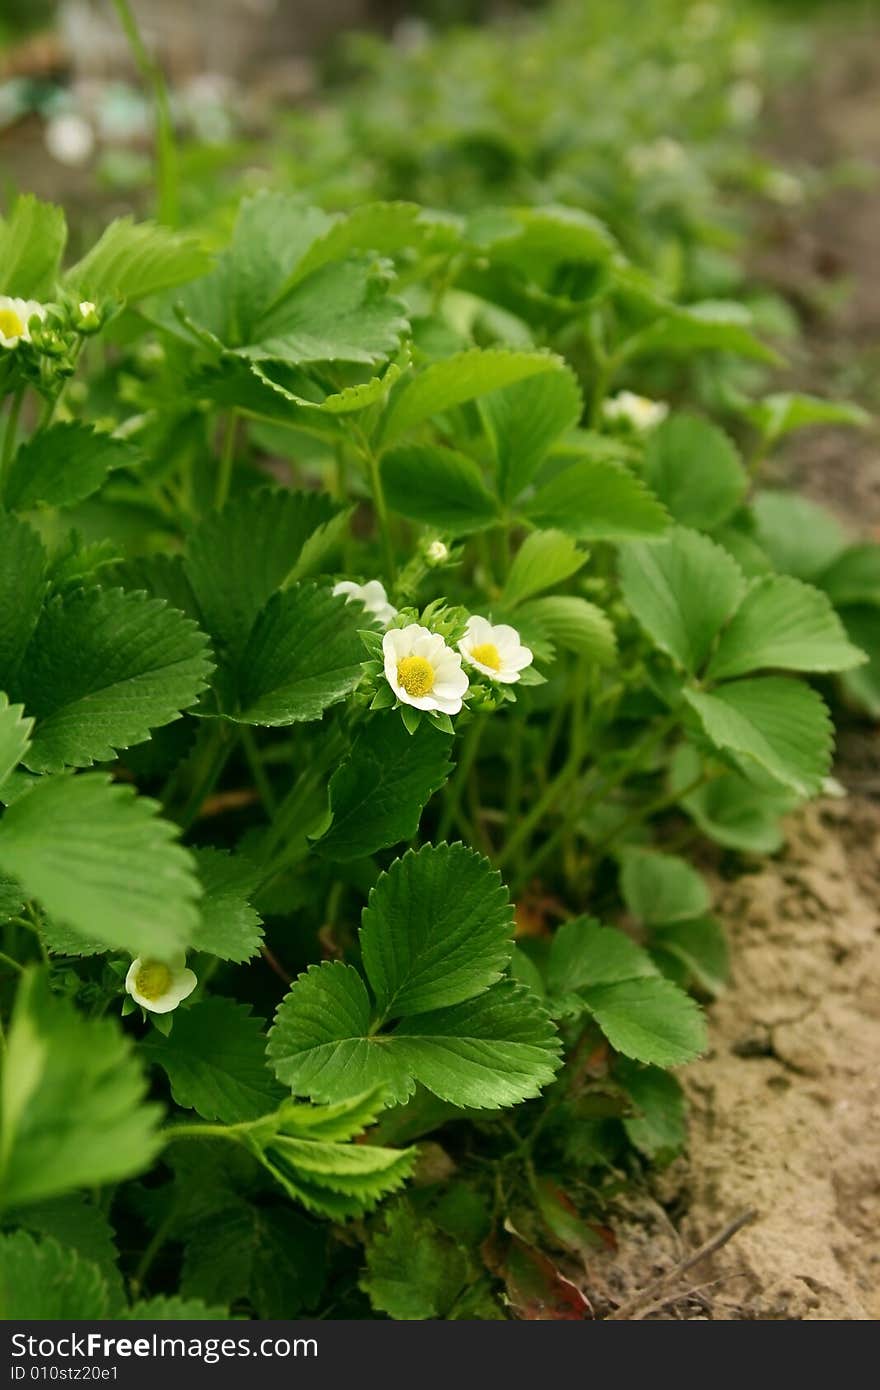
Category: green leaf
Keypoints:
(341, 313)
(62, 465)
(798, 536)
(135, 259)
(42, 1280)
(658, 1128)
(731, 810)
(681, 591)
(661, 888)
(700, 946)
(863, 684)
(413, 1270)
(853, 577)
(524, 420)
(215, 1060)
(237, 558)
(170, 1308)
(99, 859)
(378, 794)
(649, 1020)
(71, 1104)
(779, 414)
(544, 559)
(462, 377)
(78, 1223)
(437, 930)
(272, 1256)
(571, 623)
(32, 240)
(583, 953)
(786, 624)
(438, 486)
(695, 471)
(104, 668)
(780, 725)
(303, 656)
(595, 499)
(228, 926)
(22, 589)
(709, 326)
(14, 736)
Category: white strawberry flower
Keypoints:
(495, 649)
(422, 670)
(14, 317)
(371, 595)
(160, 985)
(641, 412)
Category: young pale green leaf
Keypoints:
(43, 1280)
(237, 558)
(271, 1256)
(657, 1129)
(798, 536)
(786, 624)
(346, 1120)
(22, 589)
(595, 499)
(228, 926)
(731, 810)
(438, 486)
(650, 1020)
(695, 470)
(583, 953)
(437, 930)
(32, 240)
(779, 414)
(544, 559)
(62, 465)
(571, 623)
(414, 1271)
(463, 377)
(853, 577)
(660, 888)
(215, 1059)
(103, 669)
(303, 656)
(780, 725)
(134, 259)
(15, 734)
(524, 420)
(378, 794)
(682, 591)
(699, 947)
(100, 860)
(72, 1110)
(336, 1181)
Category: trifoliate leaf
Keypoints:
(378, 794)
(14, 736)
(32, 240)
(215, 1059)
(853, 577)
(100, 860)
(43, 1280)
(237, 558)
(414, 1271)
(228, 926)
(650, 1020)
(103, 669)
(798, 536)
(786, 624)
(134, 259)
(22, 589)
(571, 623)
(340, 313)
(681, 591)
(62, 465)
(662, 887)
(731, 810)
(657, 1128)
(303, 656)
(523, 421)
(544, 559)
(462, 377)
(437, 930)
(72, 1110)
(272, 1256)
(438, 486)
(595, 499)
(778, 724)
(695, 470)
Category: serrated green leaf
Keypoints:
(134, 259)
(782, 725)
(695, 470)
(345, 1120)
(853, 577)
(215, 1059)
(779, 414)
(103, 669)
(438, 486)
(583, 953)
(524, 420)
(681, 591)
(237, 558)
(414, 1271)
(571, 623)
(649, 1020)
(378, 794)
(595, 499)
(437, 930)
(661, 888)
(79, 1224)
(100, 860)
(42, 1280)
(658, 1128)
(228, 926)
(303, 656)
(62, 465)
(14, 736)
(731, 810)
(544, 559)
(273, 1256)
(22, 589)
(798, 536)
(786, 624)
(32, 240)
(171, 1308)
(462, 377)
(71, 1104)
(699, 946)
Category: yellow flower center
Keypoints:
(152, 979)
(487, 655)
(416, 675)
(11, 325)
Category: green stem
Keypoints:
(215, 752)
(11, 434)
(470, 748)
(227, 460)
(255, 763)
(167, 173)
(651, 808)
(7, 960)
(381, 510)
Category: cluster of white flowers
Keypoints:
(160, 985)
(15, 317)
(641, 412)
